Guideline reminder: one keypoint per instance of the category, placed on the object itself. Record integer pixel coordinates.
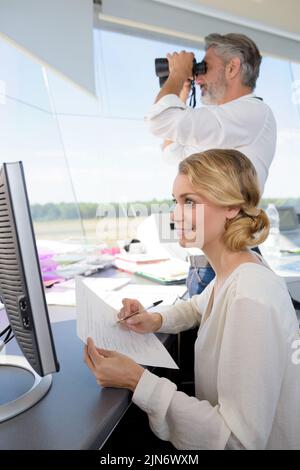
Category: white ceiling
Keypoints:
(274, 25)
(280, 15)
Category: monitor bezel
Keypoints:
(25, 245)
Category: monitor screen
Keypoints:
(21, 287)
(288, 218)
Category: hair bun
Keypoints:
(246, 230)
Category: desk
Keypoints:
(76, 413)
(287, 266)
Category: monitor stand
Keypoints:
(26, 400)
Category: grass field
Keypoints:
(107, 230)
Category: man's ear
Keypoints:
(233, 68)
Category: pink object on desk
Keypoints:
(110, 251)
(48, 266)
(45, 254)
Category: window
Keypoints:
(29, 132)
(112, 155)
(276, 85)
(84, 151)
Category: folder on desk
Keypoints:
(168, 272)
(165, 271)
(139, 258)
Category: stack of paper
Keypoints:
(140, 258)
(135, 262)
(167, 272)
(164, 271)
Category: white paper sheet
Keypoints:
(97, 319)
(146, 294)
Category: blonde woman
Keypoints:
(247, 380)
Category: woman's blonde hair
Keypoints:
(227, 178)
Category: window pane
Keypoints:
(126, 72)
(22, 78)
(275, 86)
(30, 133)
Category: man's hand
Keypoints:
(185, 91)
(180, 74)
(165, 143)
(112, 369)
(181, 64)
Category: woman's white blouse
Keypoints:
(247, 376)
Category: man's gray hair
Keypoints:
(232, 45)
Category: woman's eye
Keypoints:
(189, 202)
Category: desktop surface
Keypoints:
(76, 413)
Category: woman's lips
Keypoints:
(182, 232)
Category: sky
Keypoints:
(99, 149)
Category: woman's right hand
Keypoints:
(142, 322)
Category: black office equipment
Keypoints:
(21, 291)
(289, 228)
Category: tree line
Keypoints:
(90, 210)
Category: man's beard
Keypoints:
(215, 92)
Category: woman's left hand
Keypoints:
(112, 369)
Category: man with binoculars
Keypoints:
(233, 117)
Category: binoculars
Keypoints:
(162, 69)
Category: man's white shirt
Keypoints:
(246, 124)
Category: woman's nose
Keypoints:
(177, 213)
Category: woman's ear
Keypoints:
(232, 212)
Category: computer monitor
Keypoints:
(288, 218)
(22, 293)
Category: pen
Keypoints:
(139, 311)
